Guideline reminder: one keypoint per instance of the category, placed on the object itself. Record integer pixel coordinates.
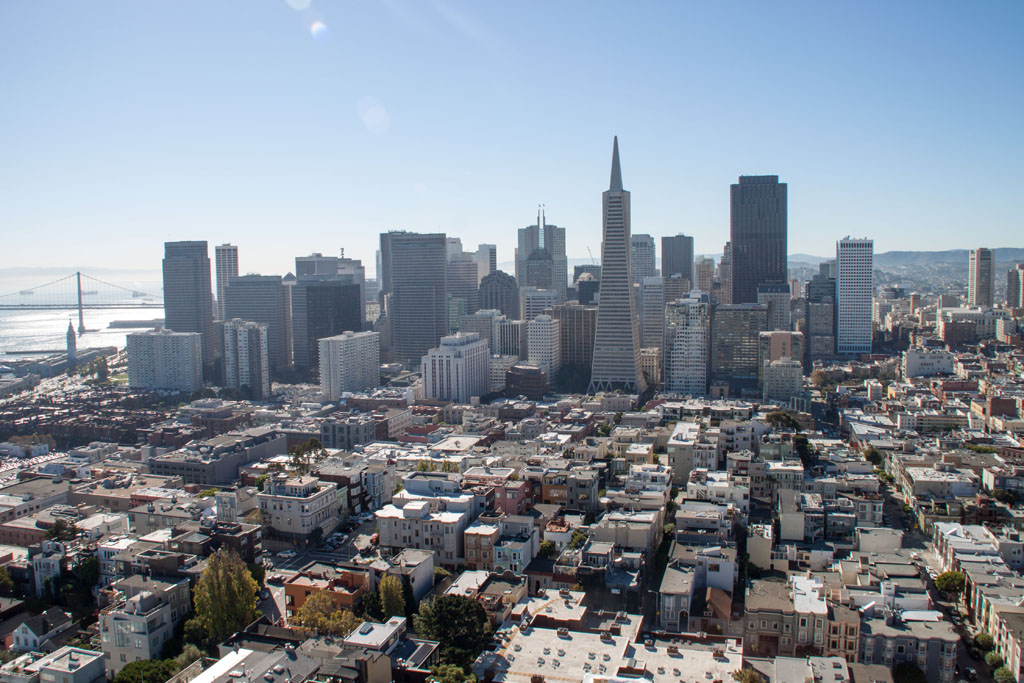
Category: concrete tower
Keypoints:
(226, 267)
(981, 281)
(72, 345)
(616, 343)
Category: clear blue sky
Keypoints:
(124, 124)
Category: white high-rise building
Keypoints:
(617, 340)
(545, 345)
(981, 282)
(162, 359)
(533, 301)
(854, 289)
(247, 356)
(349, 362)
(226, 265)
(512, 338)
(458, 369)
(642, 258)
(652, 312)
(687, 344)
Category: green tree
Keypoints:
(907, 672)
(1004, 496)
(449, 673)
(548, 549)
(391, 599)
(993, 660)
(950, 582)
(781, 420)
(1003, 675)
(147, 670)
(320, 613)
(747, 676)
(872, 455)
(225, 595)
(459, 624)
(189, 654)
(577, 540)
(984, 641)
(258, 572)
(62, 531)
(371, 607)
(6, 583)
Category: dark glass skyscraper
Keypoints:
(414, 285)
(758, 231)
(188, 296)
(264, 299)
(677, 257)
(322, 306)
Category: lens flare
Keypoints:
(319, 30)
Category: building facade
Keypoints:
(457, 370)
(226, 265)
(188, 299)
(981, 278)
(264, 299)
(687, 344)
(854, 271)
(415, 291)
(164, 359)
(349, 362)
(758, 235)
(247, 357)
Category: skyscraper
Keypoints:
(617, 342)
(677, 256)
(322, 307)
(577, 325)
(981, 279)
(687, 344)
(735, 329)
(757, 234)
(415, 288)
(163, 359)
(854, 290)
(486, 257)
(464, 281)
(264, 299)
(226, 265)
(652, 312)
(246, 357)
(777, 297)
(704, 274)
(188, 299)
(458, 369)
(500, 292)
(349, 362)
(1015, 286)
(550, 239)
(545, 345)
(641, 257)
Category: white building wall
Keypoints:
(854, 269)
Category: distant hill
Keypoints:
(958, 257)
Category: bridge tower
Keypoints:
(81, 315)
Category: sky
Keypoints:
(293, 126)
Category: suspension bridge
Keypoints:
(78, 291)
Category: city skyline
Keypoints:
(267, 127)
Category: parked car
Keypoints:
(275, 579)
(972, 673)
(287, 554)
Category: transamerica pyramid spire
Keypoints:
(616, 182)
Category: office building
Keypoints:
(854, 290)
(777, 297)
(512, 338)
(820, 310)
(486, 257)
(546, 270)
(652, 312)
(166, 360)
(322, 306)
(533, 301)
(757, 234)
(458, 369)
(545, 344)
(642, 258)
(486, 323)
(414, 285)
(500, 292)
(721, 290)
(687, 344)
(264, 299)
(349, 362)
(703, 274)
(188, 299)
(782, 380)
(464, 282)
(981, 278)
(778, 345)
(577, 325)
(1015, 287)
(247, 357)
(588, 288)
(677, 256)
(735, 331)
(676, 286)
(617, 340)
(226, 265)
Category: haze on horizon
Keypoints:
(299, 126)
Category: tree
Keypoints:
(993, 660)
(189, 654)
(1004, 496)
(984, 641)
(548, 549)
(6, 583)
(950, 582)
(907, 672)
(873, 456)
(781, 420)
(306, 454)
(371, 608)
(449, 673)
(458, 623)
(225, 595)
(391, 599)
(1003, 675)
(320, 613)
(147, 670)
(747, 676)
(818, 377)
(61, 531)
(577, 540)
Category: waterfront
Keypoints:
(45, 330)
